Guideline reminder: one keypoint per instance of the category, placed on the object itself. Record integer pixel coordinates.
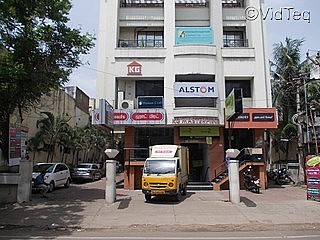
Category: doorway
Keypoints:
(198, 162)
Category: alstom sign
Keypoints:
(195, 89)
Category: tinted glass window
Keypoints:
(245, 85)
(149, 88)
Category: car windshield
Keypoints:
(159, 167)
(43, 167)
(84, 166)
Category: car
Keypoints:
(87, 171)
(57, 174)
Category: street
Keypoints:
(107, 235)
(80, 212)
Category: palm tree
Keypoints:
(53, 132)
(286, 70)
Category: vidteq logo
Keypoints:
(281, 14)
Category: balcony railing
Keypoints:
(235, 43)
(140, 43)
(233, 3)
(141, 3)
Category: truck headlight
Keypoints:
(145, 184)
(171, 184)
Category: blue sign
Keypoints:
(150, 102)
(194, 35)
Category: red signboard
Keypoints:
(134, 68)
(313, 177)
(146, 116)
(139, 116)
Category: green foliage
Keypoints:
(38, 51)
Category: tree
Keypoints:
(286, 92)
(54, 132)
(38, 51)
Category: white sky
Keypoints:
(85, 15)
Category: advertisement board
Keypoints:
(196, 89)
(194, 35)
(313, 177)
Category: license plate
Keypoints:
(157, 191)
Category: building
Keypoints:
(167, 67)
(71, 101)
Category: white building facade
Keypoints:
(167, 66)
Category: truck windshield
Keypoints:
(159, 167)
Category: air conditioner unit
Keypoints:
(127, 104)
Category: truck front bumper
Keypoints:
(159, 192)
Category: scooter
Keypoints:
(282, 177)
(251, 182)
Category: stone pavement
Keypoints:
(83, 206)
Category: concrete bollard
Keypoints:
(110, 181)
(234, 183)
(24, 184)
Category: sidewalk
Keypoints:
(275, 208)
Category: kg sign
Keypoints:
(134, 68)
(196, 89)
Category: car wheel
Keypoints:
(51, 186)
(67, 184)
(93, 178)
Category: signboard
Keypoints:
(313, 177)
(196, 89)
(139, 117)
(196, 120)
(255, 118)
(199, 132)
(262, 117)
(134, 68)
(194, 35)
(103, 115)
(17, 140)
(150, 102)
(233, 104)
(244, 117)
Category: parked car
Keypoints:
(57, 174)
(87, 171)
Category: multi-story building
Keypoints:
(167, 67)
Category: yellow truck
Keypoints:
(166, 171)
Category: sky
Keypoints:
(296, 19)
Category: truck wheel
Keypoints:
(147, 197)
(184, 190)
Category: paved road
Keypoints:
(82, 207)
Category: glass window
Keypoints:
(149, 88)
(195, 102)
(150, 39)
(162, 166)
(244, 84)
(145, 137)
(234, 39)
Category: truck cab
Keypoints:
(166, 171)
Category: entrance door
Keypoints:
(198, 162)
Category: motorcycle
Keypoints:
(251, 182)
(282, 177)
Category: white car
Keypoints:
(57, 174)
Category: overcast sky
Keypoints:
(299, 19)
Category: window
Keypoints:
(149, 88)
(234, 39)
(245, 85)
(149, 39)
(196, 102)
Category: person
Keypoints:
(227, 160)
(41, 184)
